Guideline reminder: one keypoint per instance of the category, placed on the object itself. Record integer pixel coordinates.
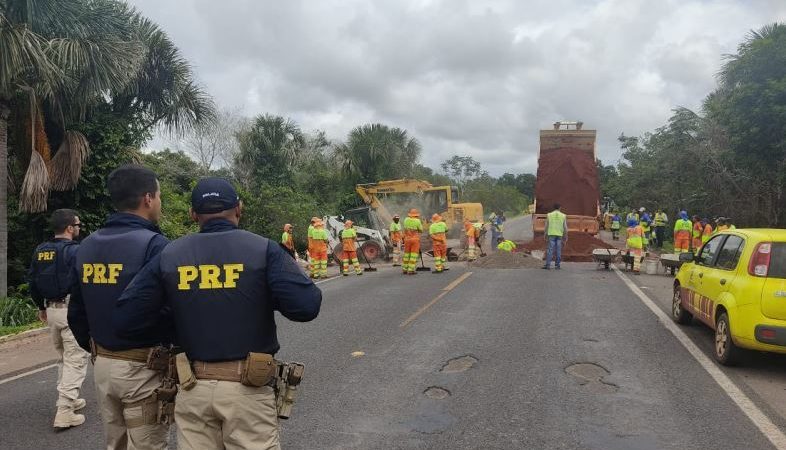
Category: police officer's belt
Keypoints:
(57, 303)
(222, 371)
(135, 354)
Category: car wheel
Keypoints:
(726, 352)
(678, 313)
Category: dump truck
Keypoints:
(568, 175)
(386, 198)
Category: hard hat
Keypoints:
(348, 224)
(436, 218)
(642, 209)
(287, 227)
(414, 212)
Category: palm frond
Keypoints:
(65, 168)
(35, 187)
(24, 60)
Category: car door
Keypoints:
(703, 265)
(720, 276)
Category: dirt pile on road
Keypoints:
(563, 168)
(505, 260)
(578, 249)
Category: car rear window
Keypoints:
(778, 260)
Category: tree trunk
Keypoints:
(4, 112)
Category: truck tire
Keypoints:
(372, 251)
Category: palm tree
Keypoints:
(269, 148)
(375, 152)
(60, 58)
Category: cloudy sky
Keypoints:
(465, 77)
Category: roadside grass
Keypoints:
(16, 315)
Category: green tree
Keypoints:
(461, 169)
(59, 61)
(377, 152)
(268, 150)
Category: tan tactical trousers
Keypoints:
(228, 415)
(121, 382)
(72, 365)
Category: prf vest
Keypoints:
(106, 263)
(51, 271)
(217, 288)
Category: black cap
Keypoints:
(213, 195)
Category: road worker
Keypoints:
(131, 386)
(319, 258)
(222, 287)
(438, 231)
(349, 241)
(682, 233)
(632, 215)
(635, 244)
(730, 224)
(413, 228)
(505, 245)
(660, 222)
(50, 279)
(556, 236)
(472, 233)
(707, 232)
(287, 240)
(396, 239)
(616, 223)
(697, 231)
(646, 226)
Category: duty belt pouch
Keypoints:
(158, 359)
(185, 375)
(259, 370)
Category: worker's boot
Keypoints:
(66, 418)
(79, 404)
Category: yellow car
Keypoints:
(737, 286)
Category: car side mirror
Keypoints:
(687, 257)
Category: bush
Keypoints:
(16, 311)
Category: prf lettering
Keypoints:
(101, 273)
(46, 256)
(209, 276)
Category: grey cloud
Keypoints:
(465, 77)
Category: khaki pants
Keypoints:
(72, 365)
(226, 414)
(121, 382)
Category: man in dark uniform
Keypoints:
(222, 286)
(50, 283)
(107, 261)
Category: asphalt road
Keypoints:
(488, 359)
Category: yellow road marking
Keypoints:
(428, 305)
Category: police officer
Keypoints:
(107, 261)
(50, 283)
(222, 285)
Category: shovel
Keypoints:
(422, 267)
(370, 268)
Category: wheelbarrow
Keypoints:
(605, 256)
(671, 262)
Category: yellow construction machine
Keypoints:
(387, 198)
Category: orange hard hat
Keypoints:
(436, 218)
(414, 212)
(348, 224)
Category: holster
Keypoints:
(158, 359)
(260, 369)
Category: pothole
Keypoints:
(591, 376)
(460, 364)
(436, 393)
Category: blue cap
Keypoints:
(632, 222)
(213, 195)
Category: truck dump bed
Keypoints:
(568, 175)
